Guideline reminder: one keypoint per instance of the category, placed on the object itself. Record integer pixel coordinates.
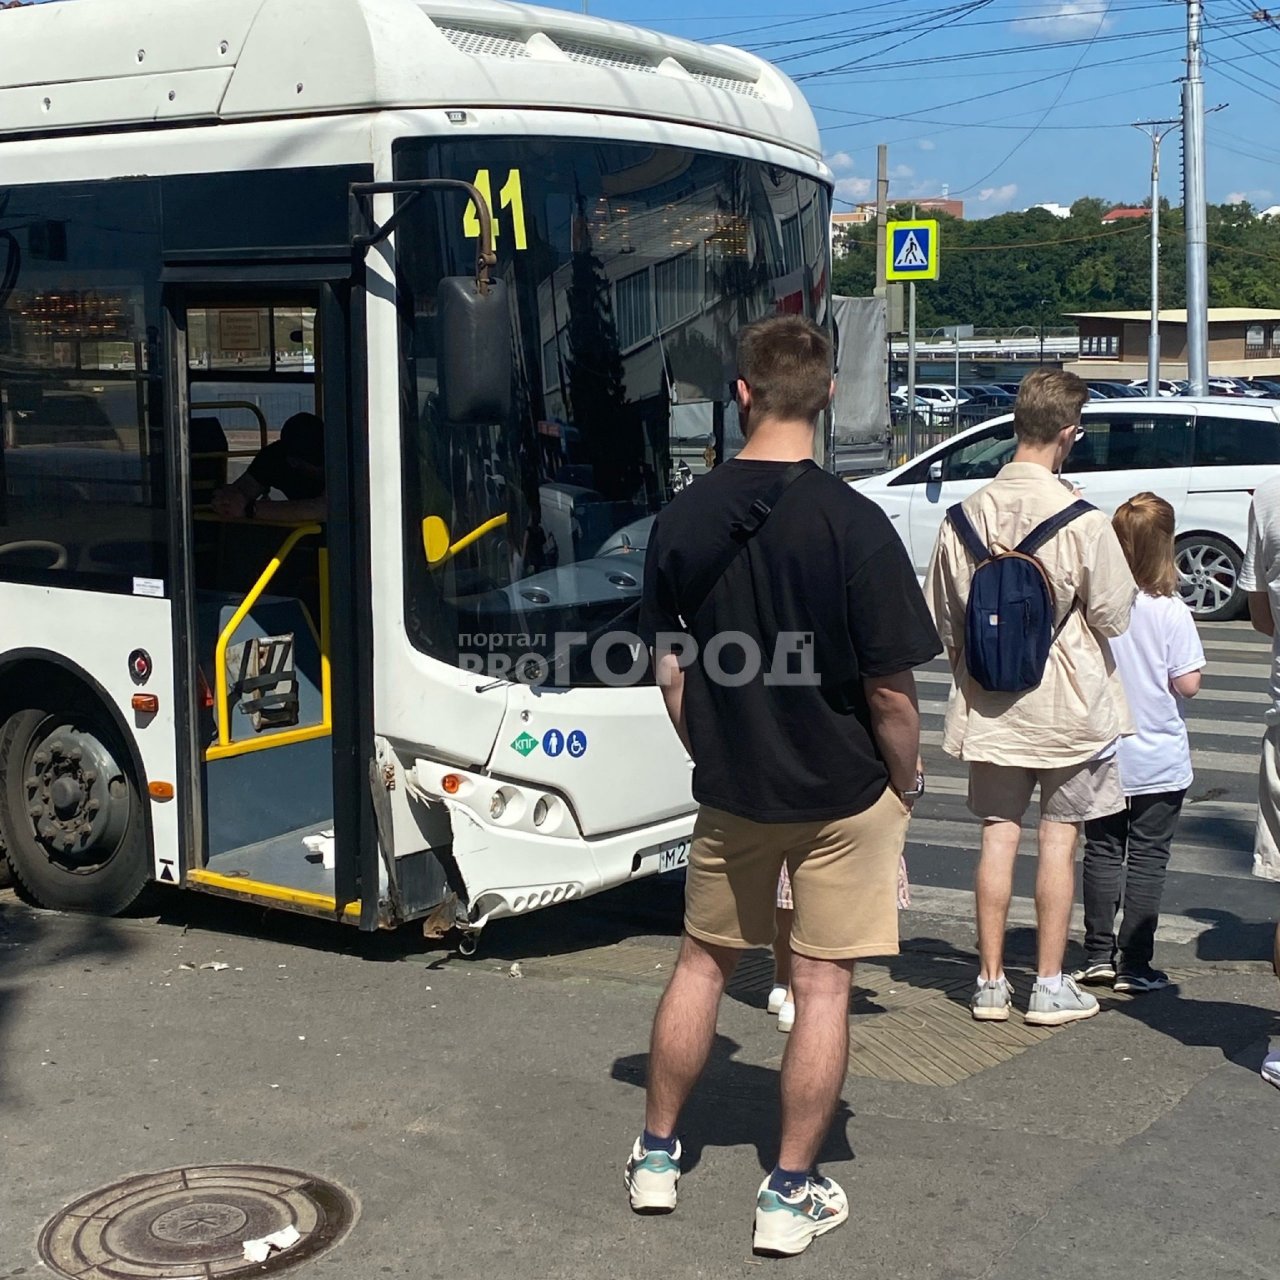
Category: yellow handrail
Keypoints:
(224, 639)
(466, 540)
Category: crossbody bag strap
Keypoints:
(700, 589)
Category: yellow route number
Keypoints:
(510, 197)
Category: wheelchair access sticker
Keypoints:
(555, 742)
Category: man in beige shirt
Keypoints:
(1059, 735)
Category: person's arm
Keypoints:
(232, 501)
(895, 724)
(1186, 686)
(1260, 613)
(671, 681)
(941, 597)
(292, 511)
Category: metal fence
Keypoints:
(932, 426)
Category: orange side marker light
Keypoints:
(147, 703)
(160, 790)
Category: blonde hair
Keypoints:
(1048, 400)
(1144, 526)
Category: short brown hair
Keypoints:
(1144, 526)
(1048, 400)
(786, 361)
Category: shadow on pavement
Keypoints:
(735, 1104)
(1230, 938)
(1237, 1030)
(33, 941)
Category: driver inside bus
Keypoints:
(293, 465)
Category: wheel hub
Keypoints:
(78, 800)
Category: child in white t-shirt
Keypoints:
(1159, 660)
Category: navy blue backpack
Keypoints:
(1008, 625)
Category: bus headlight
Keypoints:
(540, 811)
(497, 805)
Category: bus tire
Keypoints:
(72, 821)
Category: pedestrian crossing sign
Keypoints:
(911, 251)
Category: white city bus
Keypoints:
(214, 216)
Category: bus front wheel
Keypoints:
(71, 815)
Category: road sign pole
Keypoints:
(911, 369)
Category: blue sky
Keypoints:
(1008, 102)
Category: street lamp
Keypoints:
(1157, 131)
(1044, 302)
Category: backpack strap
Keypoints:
(1047, 528)
(700, 589)
(968, 534)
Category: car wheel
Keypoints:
(71, 815)
(1209, 577)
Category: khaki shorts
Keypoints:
(844, 881)
(1071, 794)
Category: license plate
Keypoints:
(674, 855)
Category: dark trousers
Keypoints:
(1129, 849)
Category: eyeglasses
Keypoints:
(1079, 435)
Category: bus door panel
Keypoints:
(259, 601)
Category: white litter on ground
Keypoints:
(277, 1241)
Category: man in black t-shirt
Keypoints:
(292, 465)
(785, 619)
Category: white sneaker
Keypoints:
(786, 1017)
(1271, 1068)
(787, 1225)
(652, 1178)
(777, 998)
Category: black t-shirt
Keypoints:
(275, 468)
(827, 565)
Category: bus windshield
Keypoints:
(630, 269)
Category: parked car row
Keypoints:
(1205, 456)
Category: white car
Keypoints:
(1203, 456)
(939, 397)
(1165, 387)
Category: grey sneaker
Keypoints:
(1097, 973)
(1053, 1008)
(991, 1001)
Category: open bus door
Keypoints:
(268, 626)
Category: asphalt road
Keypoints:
(479, 1114)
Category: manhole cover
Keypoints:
(194, 1222)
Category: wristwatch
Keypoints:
(915, 792)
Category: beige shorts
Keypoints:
(844, 881)
(1072, 794)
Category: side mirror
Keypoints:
(935, 471)
(473, 351)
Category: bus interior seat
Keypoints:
(207, 473)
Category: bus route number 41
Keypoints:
(511, 198)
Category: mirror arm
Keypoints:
(413, 188)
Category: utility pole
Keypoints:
(882, 214)
(1193, 200)
(882, 283)
(1157, 131)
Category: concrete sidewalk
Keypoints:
(481, 1119)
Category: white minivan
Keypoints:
(1203, 456)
